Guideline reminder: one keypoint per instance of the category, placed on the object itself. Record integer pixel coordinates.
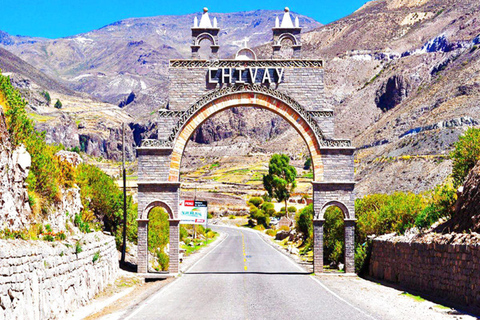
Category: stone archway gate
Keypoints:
(292, 88)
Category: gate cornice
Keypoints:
(184, 116)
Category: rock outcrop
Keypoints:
(392, 92)
(62, 130)
(14, 167)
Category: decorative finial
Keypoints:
(195, 22)
(205, 21)
(277, 22)
(287, 20)
(215, 22)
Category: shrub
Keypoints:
(303, 221)
(266, 197)
(256, 201)
(362, 257)
(442, 205)
(61, 236)
(96, 256)
(158, 229)
(465, 155)
(268, 208)
(46, 94)
(48, 237)
(58, 104)
(211, 234)
(271, 232)
(334, 235)
(381, 213)
(183, 234)
(292, 209)
(163, 260)
(45, 170)
(82, 225)
(259, 227)
(100, 195)
(308, 163)
(78, 247)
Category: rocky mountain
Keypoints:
(404, 80)
(403, 77)
(132, 55)
(82, 121)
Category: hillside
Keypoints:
(83, 122)
(132, 55)
(401, 75)
(403, 79)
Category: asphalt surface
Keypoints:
(244, 277)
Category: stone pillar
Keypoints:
(350, 246)
(174, 245)
(318, 246)
(142, 247)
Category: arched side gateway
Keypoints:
(291, 88)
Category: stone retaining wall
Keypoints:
(48, 280)
(450, 272)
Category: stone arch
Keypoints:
(247, 99)
(338, 204)
(286, 36)
(205, 36)
(154, 204)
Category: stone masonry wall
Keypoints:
(450, 272)
(43, 280)
(305, 85)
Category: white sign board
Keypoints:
(193, 212)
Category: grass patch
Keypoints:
(414, 297)
(439, 306)
(308, 175)
(198, 244)
(39, 118)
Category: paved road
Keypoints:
(245, 278)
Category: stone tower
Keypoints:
(206, 30)
(287, 32)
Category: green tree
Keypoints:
(308, 164)
(304, 222)
(58, 104)
(46, 94)
(158, 235)
(465, 155)
(334, 236)
(280, 180)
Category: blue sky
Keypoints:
(61, 18)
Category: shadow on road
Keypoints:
(252, 272)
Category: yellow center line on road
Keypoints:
(244, 254)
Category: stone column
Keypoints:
(174, 245)
(350, 246)
(142, 247)
(318, 246)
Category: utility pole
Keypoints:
(124, 245)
